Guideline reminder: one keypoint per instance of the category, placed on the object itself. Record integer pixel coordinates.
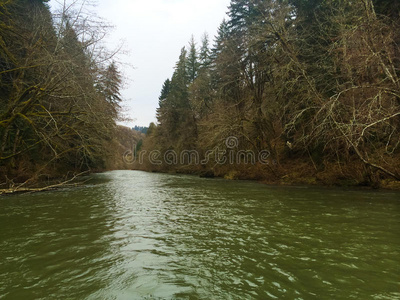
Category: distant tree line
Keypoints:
(141, 129)
(316, 82)
(59, 91)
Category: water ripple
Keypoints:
(135, 235)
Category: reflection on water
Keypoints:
(135, 235)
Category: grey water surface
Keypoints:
(137, 235)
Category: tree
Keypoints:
(219, 40)
(310, 80)
(192, 61)
(109, 86)
(177, 127)
(53, 119)
(164, 92)
(205, 54)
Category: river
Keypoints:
(136, 235)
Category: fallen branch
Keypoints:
(20, 189)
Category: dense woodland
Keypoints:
(315, 82)
(59, 94)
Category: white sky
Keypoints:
(154, 31)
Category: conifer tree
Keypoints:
(220, 40)
(205, 54)
(192, 61)
(164, 92)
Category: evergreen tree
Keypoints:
(192, 61)
(200, 92)
(177, 128)
(110, 86)
(179, 82)
(164, 92)
(205, 54)
(162, 100)
(176, 100)
(220, 40)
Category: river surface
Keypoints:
(135, 235)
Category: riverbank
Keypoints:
(291, 172)
(41, 186)
(274, 174)
(30, 175)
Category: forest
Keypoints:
(312, 83)
(310, 86)
(59, 95)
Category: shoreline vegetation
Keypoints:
(296, 177)
(42, 186)
(302, 174)
(60, 96)
(45, 179)
(313, 84)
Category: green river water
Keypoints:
(135, 235)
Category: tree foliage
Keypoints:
(317, 81)
(58, 100)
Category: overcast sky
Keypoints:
(154, 31)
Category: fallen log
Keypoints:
(21, 189)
